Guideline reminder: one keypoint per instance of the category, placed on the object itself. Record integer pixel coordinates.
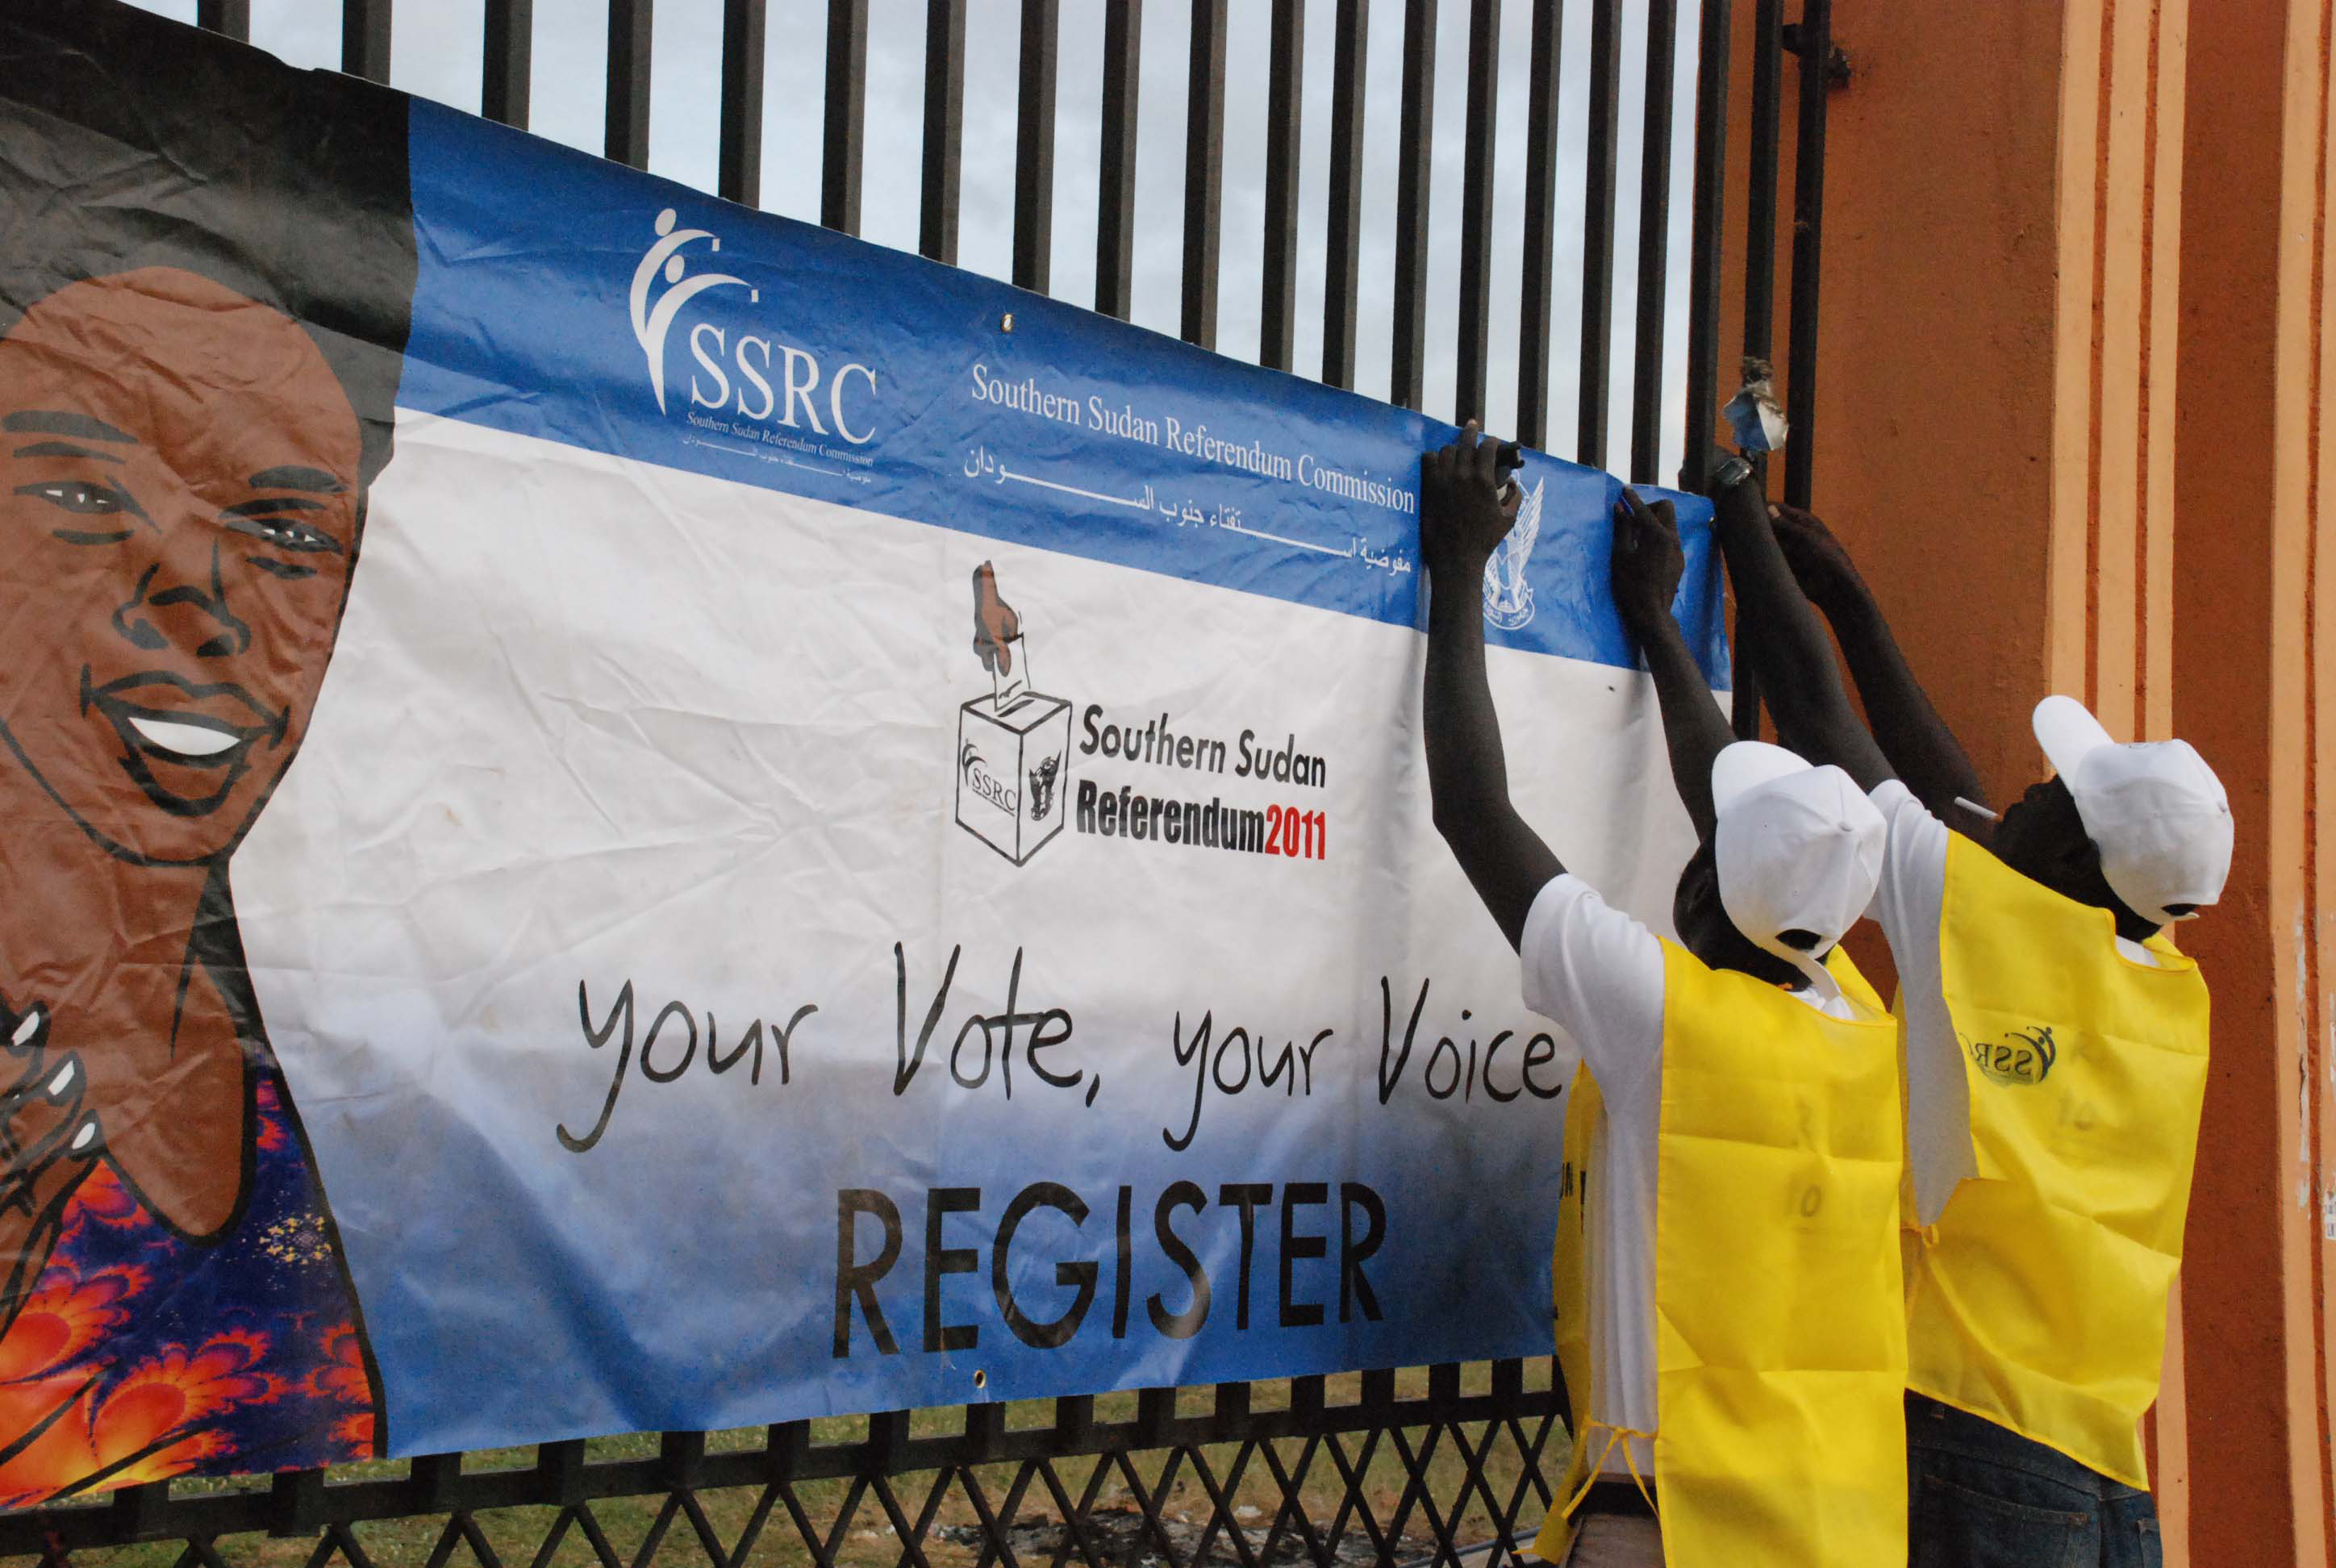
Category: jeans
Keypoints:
(1983, 1496)
(1614, 1541)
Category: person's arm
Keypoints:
(1799, 677)
(1647, 562)
(1462, 519)
(1922, 750)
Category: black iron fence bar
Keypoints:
(297, 1498)
(845, 110)
(1284, 126)
(1415, 163)
(364, 38)
(1760, 190)
(1598, 231)
(1342, 230)
(1759, 284)
(1204, 170)
(232, 17)
(1476, 207)
(629, 35)
(944, 130)
(1539, 274)
(1034, 146)
(1654, 240)
(1815, 45)
(507, 63)
(681, 1457)
(303, 1501)
(1703, 254)
(435, 1476)
(740, 172)
(1123, 56)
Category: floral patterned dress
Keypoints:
(141, 1355)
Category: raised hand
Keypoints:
(1466, 507)
(995, 624)
(1820, 565)
(48, 1144)
(1646, 560)
(1646, 564)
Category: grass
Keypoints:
(516, 1535)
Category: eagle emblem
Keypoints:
(1508, 597)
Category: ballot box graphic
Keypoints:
(1013, 765)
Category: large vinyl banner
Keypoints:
(623, 813)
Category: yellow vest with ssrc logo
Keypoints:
(1780, 1338)
(2038, 1299)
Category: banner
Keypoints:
(628, 815)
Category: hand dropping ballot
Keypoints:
(1014, 745)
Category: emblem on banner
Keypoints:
(1014, 744)
(743, 384)
(2022, 1058)
(652, 323)
(1508, 597)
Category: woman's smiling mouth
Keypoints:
(188, 738)
(184, 744)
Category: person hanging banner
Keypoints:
(628, 815)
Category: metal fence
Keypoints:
(1387, 1467)
(1433, 1465)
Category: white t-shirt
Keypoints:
(1910, 903)
(1598, 975)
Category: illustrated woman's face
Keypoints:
(179, 473)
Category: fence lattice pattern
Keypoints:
(1439, 1464)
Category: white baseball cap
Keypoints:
(1796, 849)
(2153, 809)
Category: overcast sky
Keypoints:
(437, 44)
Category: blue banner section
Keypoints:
(697, 334)
(987, 1271)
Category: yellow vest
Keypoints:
(2039, 1299)
(1569, 1275)
(1780, 1343)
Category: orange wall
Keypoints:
(2245, 421)
(2069, 416)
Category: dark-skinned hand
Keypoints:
(1646, 560)
(1463, 513)
(1820, 565)
(995, 624)
(48, 1144)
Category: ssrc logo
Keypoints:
(975, 776)
(2021, 1058)
(736, 373)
